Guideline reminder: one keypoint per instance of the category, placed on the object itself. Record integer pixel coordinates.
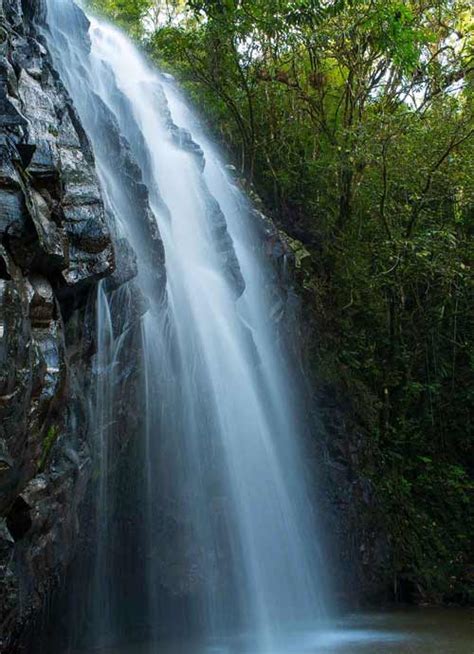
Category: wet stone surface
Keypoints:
(54, 245)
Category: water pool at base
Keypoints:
(421, 631)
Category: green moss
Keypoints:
(301, 254)
(48, 442)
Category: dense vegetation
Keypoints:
(354, 121)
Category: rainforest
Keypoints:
(236, 319)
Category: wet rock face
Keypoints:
(54, 247)
(359, 553)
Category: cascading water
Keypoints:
(227, 520)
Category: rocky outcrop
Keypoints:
(54, 247)
(360, 553)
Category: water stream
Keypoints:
(227, 518)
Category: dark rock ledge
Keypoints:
(54, 247)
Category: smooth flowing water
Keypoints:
(423, 631)
(227, 521)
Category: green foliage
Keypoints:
(354, 120)
(126, 13)
(47, 445)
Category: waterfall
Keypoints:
(228, 535)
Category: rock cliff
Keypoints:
(55, 246)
